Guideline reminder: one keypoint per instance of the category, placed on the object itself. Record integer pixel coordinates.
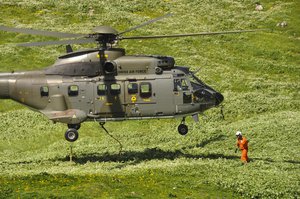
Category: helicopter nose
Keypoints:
(219, 98)
(209, 96)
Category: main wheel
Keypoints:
(74, 126)
(71, 135)
(183, 129)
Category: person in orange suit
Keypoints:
(242, 144)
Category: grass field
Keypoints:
(258, 74)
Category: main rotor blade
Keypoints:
(60, 42)
(40, 32)
(189, 34)
(146, 23)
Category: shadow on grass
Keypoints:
(139, 156)
(136, 157)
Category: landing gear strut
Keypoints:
(71, 135)
(74, 126)
(182, 128)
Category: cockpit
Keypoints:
(196, 91)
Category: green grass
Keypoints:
(151, 183)
(258, 73)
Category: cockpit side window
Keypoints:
(184, 84)
(177, 85)
(181, 84)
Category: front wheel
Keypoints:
(183, 129)
(71, 135)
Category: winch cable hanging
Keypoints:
(120, 144)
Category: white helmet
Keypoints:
(238, 133)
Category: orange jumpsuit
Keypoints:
(243, 146)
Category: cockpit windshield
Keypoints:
(196, 82)
(187, 81)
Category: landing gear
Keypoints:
(182, 128)
(74, 126)
(71, 135)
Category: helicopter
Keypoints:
(104, 84)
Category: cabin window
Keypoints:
(132, 88)
(44, 91)
(101, 89)
(73, 90)
(145, 90)
(115, 89)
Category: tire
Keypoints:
(182, 129)
(71, 135)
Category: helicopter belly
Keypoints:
(70, 116)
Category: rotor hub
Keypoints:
(105, 30)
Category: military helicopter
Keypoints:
(103, 84)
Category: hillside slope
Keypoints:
(258, 74)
